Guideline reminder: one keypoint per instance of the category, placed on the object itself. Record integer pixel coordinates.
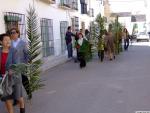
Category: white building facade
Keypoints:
(54, 16)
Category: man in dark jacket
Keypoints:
(68, 39)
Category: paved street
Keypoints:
(120, 86)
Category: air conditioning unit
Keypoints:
(49, 1)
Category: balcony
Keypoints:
(49, 1)
(69, 4)
(65, 4)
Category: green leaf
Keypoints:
(33, 70)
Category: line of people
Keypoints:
(14, 50)
(106, 45)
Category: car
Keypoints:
(133, 37)
(142, 36)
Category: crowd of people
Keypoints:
(106, 44)
(13, 50)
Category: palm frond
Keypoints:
(34, 64)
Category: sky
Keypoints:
(134, 6)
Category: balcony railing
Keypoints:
(65, 4)
(49, 1)
(69, 4)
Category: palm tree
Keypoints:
(33, 69)
(93, 36)
(101, 27)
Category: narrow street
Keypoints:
(119, 86)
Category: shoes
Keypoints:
(114, 57)
(81, 66)
(22, 110)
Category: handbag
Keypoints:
(1, 84)
(6, 86)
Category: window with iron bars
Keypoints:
(75, 24)
(83, 8)
(47, 37)
(15, 20)
(91, 12)
(63, 30)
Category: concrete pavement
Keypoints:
(119, 86)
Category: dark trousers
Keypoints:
(77, 55)
(126, 44)
(26, 85)
(101, 54)
(70, 51)
(82, 60)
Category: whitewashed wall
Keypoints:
(49, 11)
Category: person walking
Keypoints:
(8, 57)
(102, 46)
(81, 45)
(23, 57)
(110, 45)
(126, 38)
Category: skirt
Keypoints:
(17, 88)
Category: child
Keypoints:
(101, 46)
